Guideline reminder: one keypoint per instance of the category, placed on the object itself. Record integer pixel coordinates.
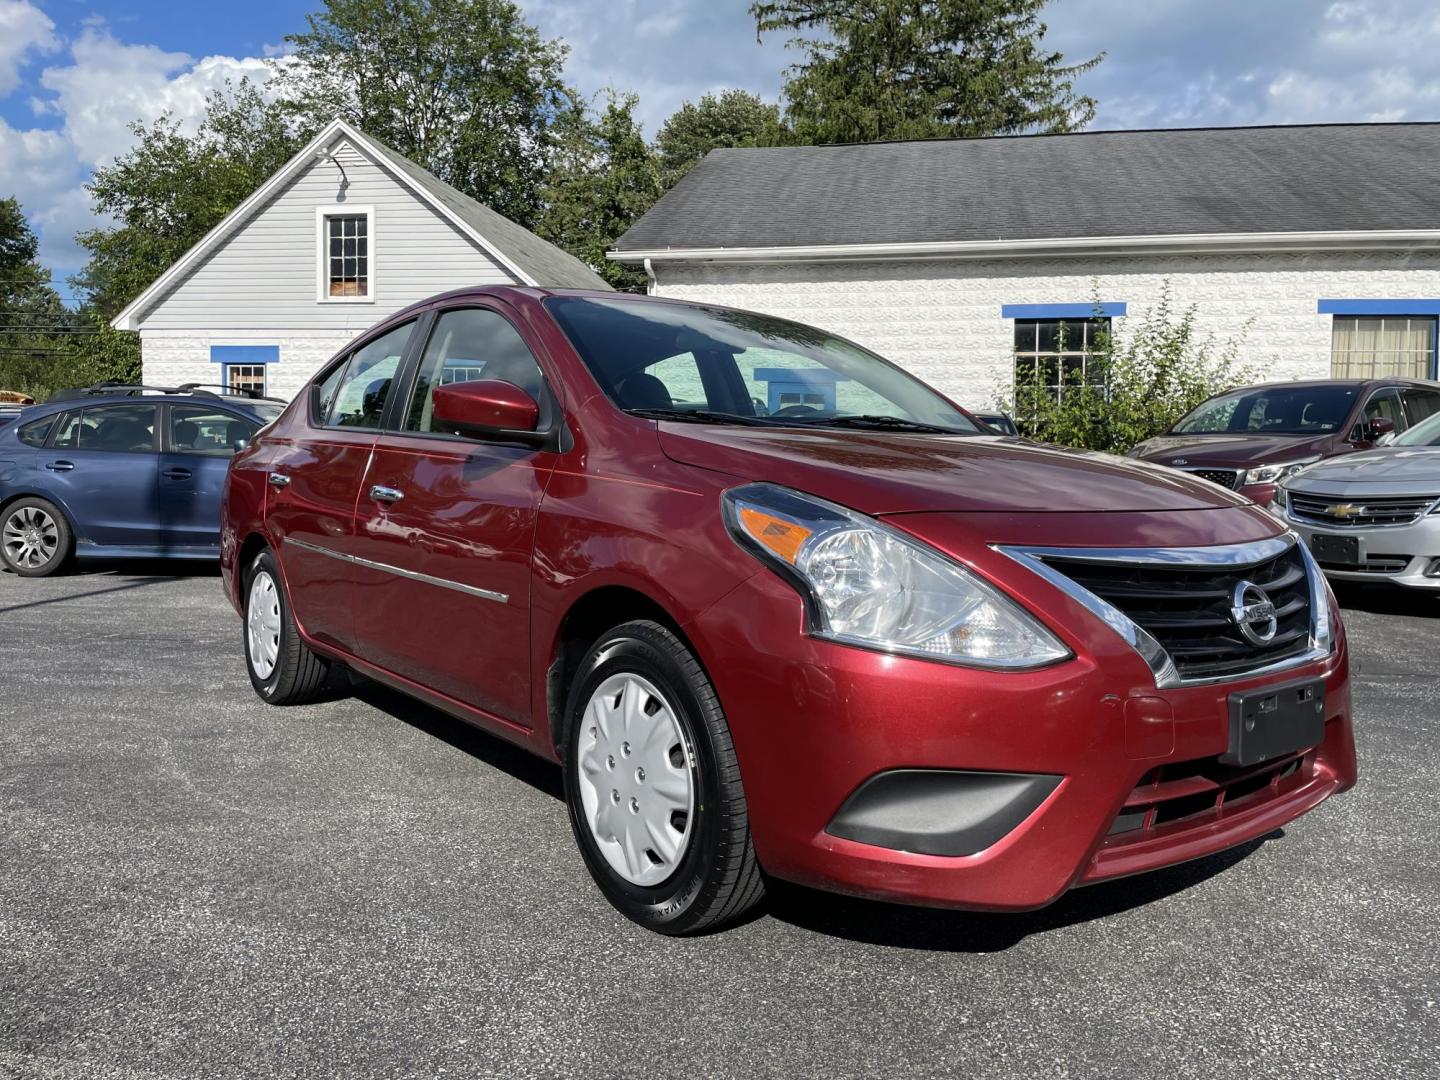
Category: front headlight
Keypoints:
(1273, 474)
(867, 584)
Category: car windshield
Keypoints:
(1271, 410)
(1425, 433)
(714, 365)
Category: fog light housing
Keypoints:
(1433, 570)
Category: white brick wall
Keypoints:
(941, 319)
(169, 359)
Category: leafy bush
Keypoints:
(1151, 374)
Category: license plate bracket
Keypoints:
(1275, 721)
(1336, 550)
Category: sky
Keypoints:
(75, 73)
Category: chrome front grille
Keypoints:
(1358, 512)
(1191, 612)
(1226, 478)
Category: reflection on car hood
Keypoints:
(1398, 470)
(885, 473)
(1230, 451)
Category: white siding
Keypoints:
(260, 287)
(941, 319)
(265, 275)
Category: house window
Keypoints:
(246, 377)
(1389, 345)
(347, 269)
(1053, 354)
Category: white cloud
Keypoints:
(111, 84)
(24, 29)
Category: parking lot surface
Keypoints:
(193, 884)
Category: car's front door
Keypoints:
(197, 444)
(315, 479)
(446, 525)
(101, 465)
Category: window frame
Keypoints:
(264, 376)
(323, 214)
(1093, 323)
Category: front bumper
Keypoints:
(1406, 555)
(814, 721)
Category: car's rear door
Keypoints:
(197, 443)
(315, 478)
(446, 527)
(101, 465)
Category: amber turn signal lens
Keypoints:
(782, 537)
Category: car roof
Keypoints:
(1354, 384)
(79, 400)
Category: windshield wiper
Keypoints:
(893, 423)
(698, 416)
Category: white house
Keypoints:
(1316, 247)
(345, 234)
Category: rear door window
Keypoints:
(354, 395)
(117, 429)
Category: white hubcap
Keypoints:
(262, 624)
(635, 779)
(30, 538)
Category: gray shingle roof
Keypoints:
(542, 260)
(1100, 184)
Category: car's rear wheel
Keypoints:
(653, 785)
(282, 668)
(35, 539)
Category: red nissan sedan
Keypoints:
(778, 608)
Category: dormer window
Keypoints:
(346, 263)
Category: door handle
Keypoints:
(177, 474)
(279, 480)
(380, 493)
(60, 466)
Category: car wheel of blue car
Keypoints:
(35, 539)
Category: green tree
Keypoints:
(602, 177)
(465, 88)
(1154, 372)
(171, 188)
(732, 118)
(922, 69)
(43, 344)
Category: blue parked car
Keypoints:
(120, 472)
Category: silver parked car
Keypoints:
(1374, 516)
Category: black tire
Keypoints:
(717, 879)
(24, 517)
(298, 675)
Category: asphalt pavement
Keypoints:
(196, 885)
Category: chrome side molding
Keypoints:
(411, 575)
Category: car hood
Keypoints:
(886, 473)
(1229, 451)
(1400, 470)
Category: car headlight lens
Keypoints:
(1273, 474)
(867, 584)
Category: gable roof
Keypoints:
(1024, 191)
(530, 259)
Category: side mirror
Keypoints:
(487, 409)
(239, 444)
(1373, 429)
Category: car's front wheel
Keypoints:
(653, 785)
(35, 539)
(282, 668)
